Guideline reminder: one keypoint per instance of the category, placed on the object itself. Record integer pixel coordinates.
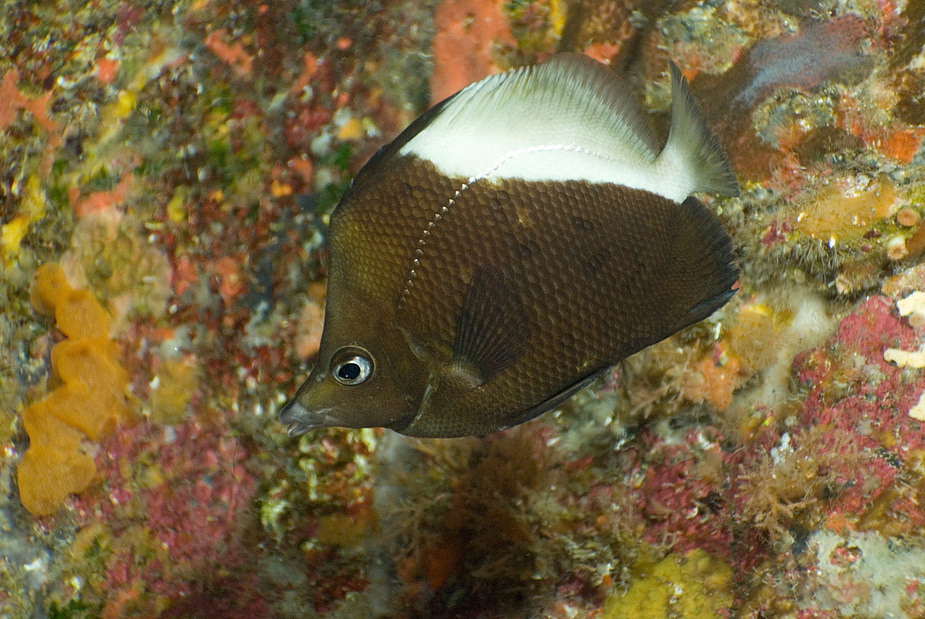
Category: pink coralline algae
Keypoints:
(884, 401)
(182, 523)
(853, 389)
(681, 495)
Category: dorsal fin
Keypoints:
(493, 327)
(570, 118)
(692, 154)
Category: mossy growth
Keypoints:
(690, 586)
(505, 518)
(654, 381)
(783, 490)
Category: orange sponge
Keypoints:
(54, 466)
(80, 407)
(92, 364)
(88, 403)
(76, 311)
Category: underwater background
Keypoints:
(175, 163)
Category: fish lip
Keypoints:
(292, 412)
(298, 429)
(300, 420)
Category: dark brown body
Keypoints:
(579, 275)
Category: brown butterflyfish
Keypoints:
(512, 244)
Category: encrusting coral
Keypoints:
(88, 402)
(466, 33)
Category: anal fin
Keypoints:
(493, 327)
(555, 400)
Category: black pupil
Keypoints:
(349, 370)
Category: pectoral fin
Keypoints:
(493, 327)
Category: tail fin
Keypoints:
(692, 144)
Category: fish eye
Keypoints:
(351, 366)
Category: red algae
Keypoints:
(234, 55)
(12, 100)
(101, 200)
(186, 520)
(681, 495)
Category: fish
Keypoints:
(512, 244)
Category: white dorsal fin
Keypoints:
(570, 118)
(692, 156)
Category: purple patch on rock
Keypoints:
(822, 51)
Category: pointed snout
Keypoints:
(298, 418)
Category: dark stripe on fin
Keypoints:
(493, 327)
(705, 262)
(555, 400)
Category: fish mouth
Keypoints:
(298, 429)
(290, 413)
(300, 420)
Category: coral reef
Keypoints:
(180, 162)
